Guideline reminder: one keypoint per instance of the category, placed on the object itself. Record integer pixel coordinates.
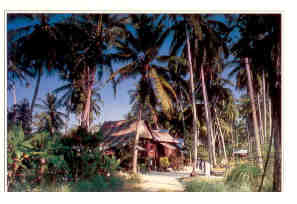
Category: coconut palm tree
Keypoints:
(86, 52)
(144, 38)
(29, 52)
(21, 115)
(208, 38)
(140, 49)
(73, 98)
(260, 41)
(51, 119)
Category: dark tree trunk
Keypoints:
(260, 120)
(266, 165)
(276, 120)
(90, 81)
(36, 89)
(256, 132)
(265, 109)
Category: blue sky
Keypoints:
(114, 108)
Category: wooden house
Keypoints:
(153, 144)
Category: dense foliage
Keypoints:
(187, 66)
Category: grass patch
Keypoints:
(99, 184)
(200, 185)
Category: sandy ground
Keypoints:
(162, 181)
(166, 181)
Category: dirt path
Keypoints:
(162, 181)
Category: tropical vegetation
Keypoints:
(213, 80)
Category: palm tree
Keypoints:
(21, 115)
(16, 74)
(140, 49)
(223, 106)
(50, 118)
(208, 38)
(86, 53)
(260, 41)
(73, 99)
(29, 54)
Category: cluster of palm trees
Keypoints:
(182, 90)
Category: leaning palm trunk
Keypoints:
(14, 94)
(194, 106)
(260, 121)
(277, 126)
(36, 89)
(222, 138)
(256, 132)
(85, 119)
(14, 104)
(249, 141)
(265, 111)
(277, 170)
(270, 120)
(211, 146)
(266, 165)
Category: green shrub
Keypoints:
(98, 184)
(244, 175)
(204, 186)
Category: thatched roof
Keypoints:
(120, 133)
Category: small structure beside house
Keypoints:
(118, 136)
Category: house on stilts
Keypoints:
(118, 140)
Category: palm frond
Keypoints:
(165, 100)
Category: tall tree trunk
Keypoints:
(14, 104)
(211, 146)
(90, 82)
(260, 120)
(194, 105)
(277, 170)
(232, 136)
(14, 94)
(236, 138)
(266, 165)
(222, 137)
(80, 119)
(276, 133)
(270, 119)
(36, 89)
(265, 109)
(256, 132)
(182, 112)
(135, 150)
(249, 141)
